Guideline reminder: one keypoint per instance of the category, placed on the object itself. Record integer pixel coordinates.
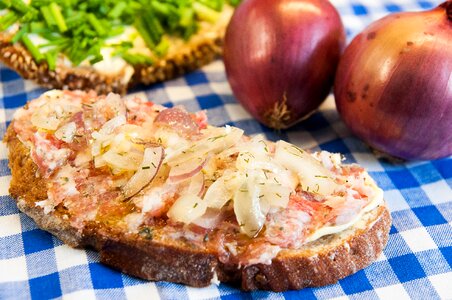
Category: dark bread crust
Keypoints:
(318, 263)
(196, 55)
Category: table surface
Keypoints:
(415, 264)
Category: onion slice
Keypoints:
(186, 169)
(152, 159)
(314, 177)
(196, 186)
(187, 208)
(247, 209)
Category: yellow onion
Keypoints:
(393, 86)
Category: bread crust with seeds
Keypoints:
(317, 263)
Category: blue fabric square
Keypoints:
(426, 173)
(168, 290)
(195, 78)
(406, 267)
(104, 277)
(45, 287)
(4, 169)
(447, 253)
(355, 283)
(429, 215)
(7, 206)
(306, 293)
(8, 75)
(403, 179)
(444, 167)
(14, 101)
(37, 240)
(234, 296)
(359, 9)
(425, 4)
(393, 230)
(336, 146)
(391, 7)
(15, 290)
(11, 246)
(209, 101)
(396, 246)
(315, 122)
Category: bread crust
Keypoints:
(196, 54)
(318, 263)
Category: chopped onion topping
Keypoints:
(66, 132)
(187, 208)
(314, 177)
(247, 208)
(149, 167)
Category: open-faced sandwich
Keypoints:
(164, 196)
(108, 46)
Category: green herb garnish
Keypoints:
(81, 29)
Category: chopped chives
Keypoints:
(47, 14)
(51, 57)
(18, 36)
(79, 29)
(205, 13)
(96, 24)
(34, 51)
(117, 10)
(58, 17)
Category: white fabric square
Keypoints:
(418, 239)
(83, 294)
(10, 225)
(142, 291)
(438, 192)
(4, 185)
(208, 292)
(237, 112)
(395, 201)
(13, 269)
(180, 93)
(442, 284)
(3, 151)
(368, 161)
(392, 292)
(221, 88)
(67, 257)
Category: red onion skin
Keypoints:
(281, 57)
(393, 86)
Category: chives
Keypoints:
(117, 10)
(51, 60)
(58, 17)
(34, 51)
(18, 36)
(95, 23)
(47, 14)
(80, 29)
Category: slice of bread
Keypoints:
(182, 57)
(149, 255)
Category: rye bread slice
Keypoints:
(201, 49)
(317, 263)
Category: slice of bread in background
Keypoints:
(317, 263)
(182, 57)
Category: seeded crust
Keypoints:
(318, 263)
(198, 52)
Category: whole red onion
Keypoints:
(393, 86)
(281, 56)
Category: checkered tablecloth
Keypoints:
(416, 263)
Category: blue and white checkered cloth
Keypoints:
(417, 263)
